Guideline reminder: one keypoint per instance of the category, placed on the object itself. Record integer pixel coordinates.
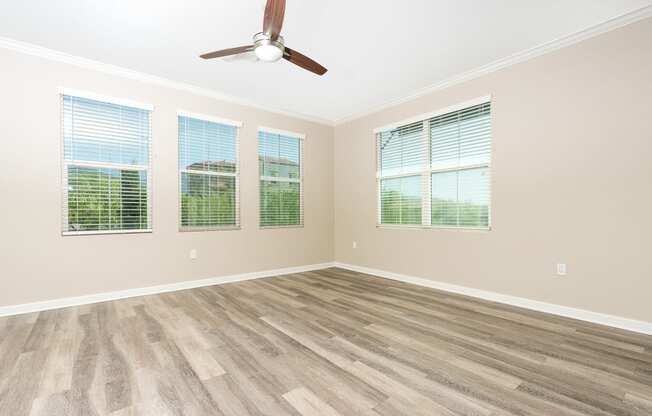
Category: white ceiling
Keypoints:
(376, 51)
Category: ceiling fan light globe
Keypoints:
(268, 53)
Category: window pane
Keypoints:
(462, 138)
(279, 156)
(444, 142)
(474, 198)
(96, 131)
(280, 203)
(444, 199)
(475, 136)
(400, 200)
(461, 198)
(402, 150)
(208, 200)
(106, 199)
(207, 146)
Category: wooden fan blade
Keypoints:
(274, 14)
(227, 52)
(303, 61)
(242, 57)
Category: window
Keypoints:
(435, 171)
(106, 165)
(280, 157)
(208, 173)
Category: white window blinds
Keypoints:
(435, 172)
(402, 155)
(280, 157)
(208, 173)
(106, 167)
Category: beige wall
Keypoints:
(571, 182)
(37, 263)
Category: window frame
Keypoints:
(302, 141)
(236, 174)
(65, 163)
(427, 171)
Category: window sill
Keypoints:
(107, 232)
(271, 227)
(201, 229)
(431, 227)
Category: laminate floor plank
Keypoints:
(330, 342)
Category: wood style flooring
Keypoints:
(325, 343)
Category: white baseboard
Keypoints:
(565, 311)
(151, 290)
(580, 314)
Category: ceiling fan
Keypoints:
(269, 44)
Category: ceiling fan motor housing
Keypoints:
(267, 49)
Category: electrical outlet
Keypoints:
(355, 244)
(193, 254)
(561, 269)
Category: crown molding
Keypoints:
(58, 56)
(559, 43)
